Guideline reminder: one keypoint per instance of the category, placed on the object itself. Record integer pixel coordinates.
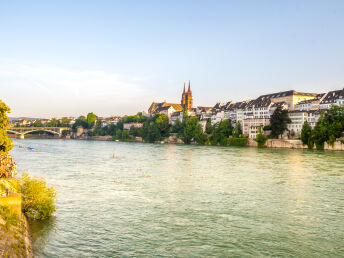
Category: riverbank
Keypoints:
(270, 143)
(294, 144)
(15, 239)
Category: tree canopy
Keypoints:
(91, 119)
(279, 121)
(193, 131)
(306, 135)
(5, 142)
(329, 127)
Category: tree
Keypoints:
(53, 123)
(5, 142)
(37, 123)
(80, 121)
(156, 127)
(328, 127)
(193, 131)
(279, 121)
(162, 123)
(306, 135)
(91, 119)
(208, 126)
(38, 200)
(221, 131)
(133, 131)
(185, 113)
(237, 130)
(178, 127)
(65, 122)
(260, 139)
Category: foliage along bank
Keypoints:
(33, 197)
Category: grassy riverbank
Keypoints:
(14, 234)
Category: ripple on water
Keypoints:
(194, 201)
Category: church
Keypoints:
(169, 108)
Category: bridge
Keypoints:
(21, 131)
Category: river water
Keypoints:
(186, 201)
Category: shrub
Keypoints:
(236, 141)
(38, 199)
(260, 139)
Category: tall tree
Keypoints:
(54, 122)
(91, 119)
(279, 121)
(37, 123)
(178, 127)
(65, 122)
(193, 131)
(306, 135)
(237, 129)
(208, 126)
(329, 127)
(5, 142)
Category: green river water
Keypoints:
(186, 201)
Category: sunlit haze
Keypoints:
(67, 58)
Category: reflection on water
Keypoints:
(194, 201)
(40, 232)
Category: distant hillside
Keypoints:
(20, 118)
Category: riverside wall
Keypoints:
(294, 144)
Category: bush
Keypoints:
(38, 199)
(236, 141)
(260, 139)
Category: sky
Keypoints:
(68, 58)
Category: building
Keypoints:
(298, 118)
(204, 113)
(187, 100)
(310, 104)
(170, 108)
(127, 126)
(250, 126)
(335, 97)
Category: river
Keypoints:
(186, 201)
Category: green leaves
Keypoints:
(5, 142)
(260, 139)
(306, 135)
(279, 121)
(193, 131)
(38, 199)
(329, 127)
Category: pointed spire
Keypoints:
(189, 90)
(184, 88)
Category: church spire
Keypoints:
(189, 90)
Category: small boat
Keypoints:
(31, 148)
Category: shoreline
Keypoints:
(270, 143)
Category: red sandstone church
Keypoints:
(169, 108)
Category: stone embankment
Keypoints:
(294, 144)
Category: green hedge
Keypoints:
(237, 141)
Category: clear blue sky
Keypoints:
(115, 57)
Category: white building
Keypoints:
(332, 98)
(251, 126)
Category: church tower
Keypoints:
(187, 97)
(183, 97)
